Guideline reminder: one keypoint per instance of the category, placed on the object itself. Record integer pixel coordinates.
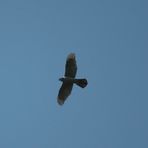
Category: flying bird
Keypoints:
(69, 79)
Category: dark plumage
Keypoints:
(69, 79)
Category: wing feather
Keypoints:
(71, 66)
(64, 92)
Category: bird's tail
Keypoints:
(81, 82)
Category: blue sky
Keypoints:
(109, 39)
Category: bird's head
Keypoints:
(61, 79)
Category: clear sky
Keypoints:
(110, 40)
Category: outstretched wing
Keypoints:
(71, 66)
(64, 92)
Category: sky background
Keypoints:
(110, 40)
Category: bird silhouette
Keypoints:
(69, 79)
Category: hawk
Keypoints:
(69, 79)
